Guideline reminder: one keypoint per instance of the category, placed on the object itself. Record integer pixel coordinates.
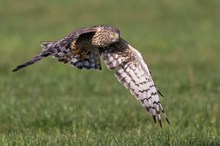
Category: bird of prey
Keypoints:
(83, 49)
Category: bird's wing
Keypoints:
(134, 74)
(61, 49)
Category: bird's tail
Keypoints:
(44, 53)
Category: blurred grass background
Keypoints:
(53, 104)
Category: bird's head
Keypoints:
(105, 36)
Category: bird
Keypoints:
(85, 47)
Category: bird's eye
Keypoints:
(113, 35)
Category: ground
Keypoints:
(53, 104)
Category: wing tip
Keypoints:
(18, 67)
(154, 117)
(158, 91)
(168, 121)
(15, 69)
(160, 123)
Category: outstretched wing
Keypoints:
(133, 72)
(62, 50)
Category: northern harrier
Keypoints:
(84, 47)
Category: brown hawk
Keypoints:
(84, 47)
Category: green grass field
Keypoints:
(53, 104)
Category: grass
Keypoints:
(54, 104)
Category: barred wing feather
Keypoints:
(133, 73)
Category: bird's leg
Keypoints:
(84, 54)
(77, 51)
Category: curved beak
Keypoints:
(117, 36)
